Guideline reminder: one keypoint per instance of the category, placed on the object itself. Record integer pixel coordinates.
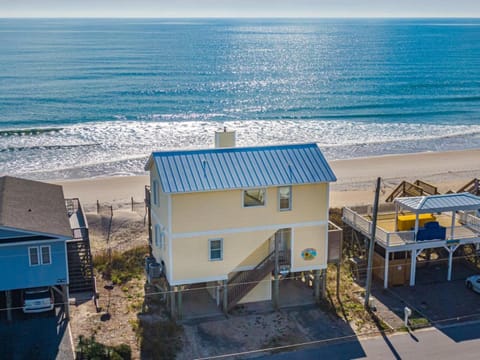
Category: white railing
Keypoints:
(471, 221)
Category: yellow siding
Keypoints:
(256, 256)
(309, 237)
(218, 210)
(190, 255)
(261, 292)
(160, 217)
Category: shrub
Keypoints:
(159, 339)
(121, 267)
(90, 349)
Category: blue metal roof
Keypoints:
(240, 167)
(439, 203)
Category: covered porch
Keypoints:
(416, 224)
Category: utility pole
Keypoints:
(368, 286)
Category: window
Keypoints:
(39, 255)
(285, 198)
(33, 254)
(215, 249)
(253, 197)
(162, 240)
(45, 250)
(155, 193)
(157, 235)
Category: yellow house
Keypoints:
(238, 218)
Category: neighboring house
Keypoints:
(34, 229)
(229, 218)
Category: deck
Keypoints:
(466, 229)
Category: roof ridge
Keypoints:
(235, 148)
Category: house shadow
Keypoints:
(35, 336)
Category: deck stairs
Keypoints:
(80, 266)
(407, 189)
(244, 281)
(473, 187)
(358, 267)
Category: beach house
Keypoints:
(237, 219)
(35, 226)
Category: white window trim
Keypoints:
(157, 235)
(40, 255)
(162, 240)
(30, 256)
(155, 192)
(290, 199)
(210, 249)
(254, 206)
(49, 254)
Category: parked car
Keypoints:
(38, 299)
(473, 283)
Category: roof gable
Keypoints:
(33, 206)
(236, 168)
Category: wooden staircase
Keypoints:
(80, 265)
(407, 189)
(473, 187)
(244, 281)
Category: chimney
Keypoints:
(224, 138)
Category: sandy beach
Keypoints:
(355, 178)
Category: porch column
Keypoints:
(179, 300)
(413, 267)
(385, 275)
(316, 278)
(172, 303)
(66, 304)
(453, 225)
(324, 283)
(396, 217)
(276, 275)
(8, 295)
(451, 250)
(416, 226)
(225, 296)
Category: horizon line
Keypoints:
(242, 17)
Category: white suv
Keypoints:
(38, 299)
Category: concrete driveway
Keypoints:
(441, 302)
(36, 336)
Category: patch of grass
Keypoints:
(159, 339)
(417, 321)
(121, 267)
(89, 348)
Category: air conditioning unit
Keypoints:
(154, 270)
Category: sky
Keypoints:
(239, 8)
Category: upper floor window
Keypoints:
(39, 255)
(253, 197)
(46, 259)
(33, 255)
(285, 198)
(215, 249)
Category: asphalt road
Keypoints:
(453, 342)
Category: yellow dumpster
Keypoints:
(407, 222)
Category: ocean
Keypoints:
(94, 97)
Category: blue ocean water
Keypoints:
(81, 98)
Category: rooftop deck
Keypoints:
(465, 230)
